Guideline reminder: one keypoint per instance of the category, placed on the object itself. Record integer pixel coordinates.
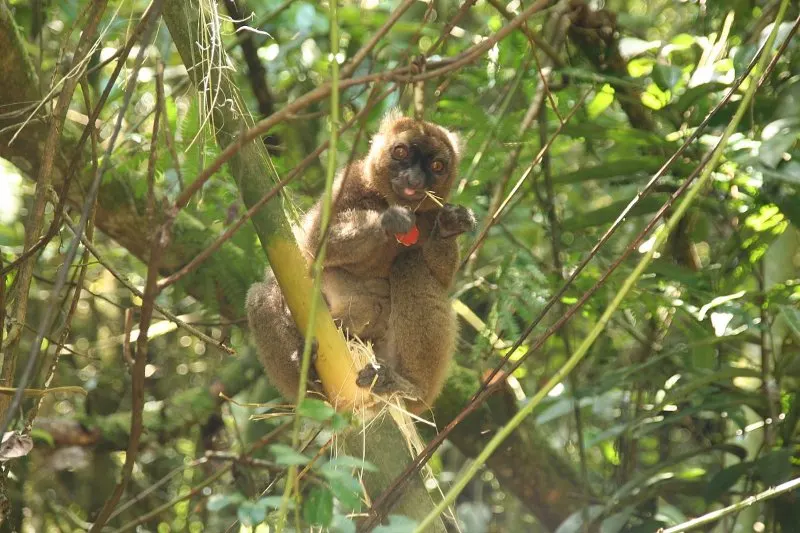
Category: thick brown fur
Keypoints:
(422, 325)
(376, 288)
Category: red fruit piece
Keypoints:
(407, 239)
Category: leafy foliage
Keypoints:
(686, 403)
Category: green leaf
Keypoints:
(640, 67)
(771, 150)
(318, 507)
(347, 462)
(397, 524)
(562, 407)
(666, 76)
(601, 101)
(703, 378)
(342, 524)
(786, 173)
(682, 41)
(648, 526)
(218, 502)
(287, 456)
(347, 490)
(723, 480)
(615, 522)
(608, 214)
(792, 317)
(591, 75)
(40, 435)
(667, 269)
(691, 96)
(273, 502)
(251, 513)
(474, 515)
(575, 522)
(633, 46)
(654, 97)
(316, 409)
(788, 205)
(775, 467)
(339, 422)
(608, 170)
(743, 56)
(791, 406)
(787, 513)
(671, 513)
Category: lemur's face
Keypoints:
(410, 157)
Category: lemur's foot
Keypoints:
(382, 379)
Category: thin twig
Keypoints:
(66, 347)
(85, 289)
(540, 42)
(242, 459)
(2, 303)
(537, 102)
(197, 489)
(256, 73)
(127, 350)
(497, 214)
(371, 102)
(35, 221)
(769, 386)
(497, 121)
(564, 333)
(167, 131)
(445, 33)
(362, 53)
(128, 285)
(260, 23)
(34, 228)
(266, 439)
(43, 392)
(713, 516)
(76, 294)
(292, 482)
(620, 218)
(280, 476)
(159, 240)
(155, 486)
(291, 109)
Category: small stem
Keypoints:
(159, 240)
(747, 502)
(327, 203)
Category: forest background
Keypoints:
(651, 368)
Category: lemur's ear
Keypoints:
(455, 141)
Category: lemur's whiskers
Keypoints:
(435, 199)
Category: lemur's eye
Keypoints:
(400, 151)
(437, 166)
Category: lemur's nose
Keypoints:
(416, 180)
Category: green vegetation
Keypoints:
(670, 393)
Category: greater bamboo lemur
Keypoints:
(390, 261)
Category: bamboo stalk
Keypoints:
(250, 169)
